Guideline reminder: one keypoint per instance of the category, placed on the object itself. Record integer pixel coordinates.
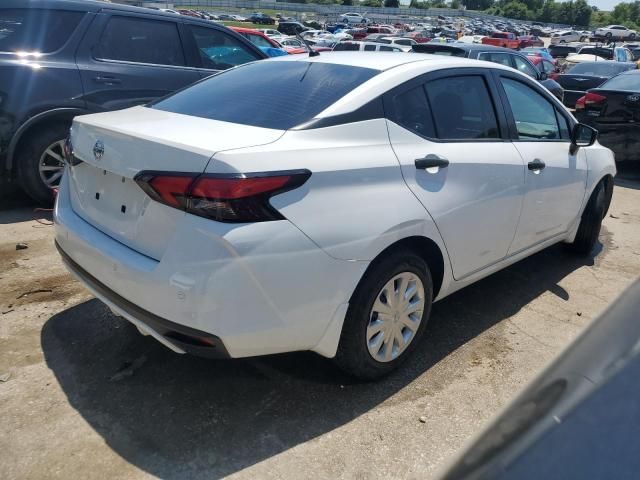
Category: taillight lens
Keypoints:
(235, 198)
(589, 99)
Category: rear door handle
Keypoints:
(537, 164)
(107, 80)
(431, 161)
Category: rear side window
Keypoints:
(140, 40)
(257, 40)
(218, 50)
(501, 58)
(462, 108)
(413, 113)
(370, 48)
(524, 66)
(36, 30)
(277, 95)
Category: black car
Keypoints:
(62, 58)
(504, 56)
(291, 28)
(583, 76)
(262, 18)
(614, 110)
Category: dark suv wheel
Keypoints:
(40, 161)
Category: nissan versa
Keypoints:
(326, 207)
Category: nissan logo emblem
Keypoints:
(98, 150)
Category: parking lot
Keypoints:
(84, 395)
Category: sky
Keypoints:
(606, 5)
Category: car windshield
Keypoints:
(36, 30)
(606, 53)
(628, 83)
(277, 95)
(598, 69)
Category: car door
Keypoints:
(555, 178)
(449, 138)
(130, 59)
(212, 50)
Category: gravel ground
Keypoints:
(88, 397)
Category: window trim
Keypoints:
(555, 103)
(494, 98)
(107, 19)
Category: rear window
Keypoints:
(629, 83)
(277, 95)
(598, 69)
(36, 30)
(344, 46)
(605, 53)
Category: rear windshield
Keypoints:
(277, 95)
(344, 46)
(629, 83)
(605, 53)
(36, 30)
(598, 69)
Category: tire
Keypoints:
(632, 37)
(33, 153)
(583, 39)
(591, 221)
(357, 342)
(608, 36)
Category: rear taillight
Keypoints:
(236, 198)
(589, 99)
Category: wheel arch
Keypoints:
(422, 246)
(36, 122)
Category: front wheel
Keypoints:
(608, 36)
(583, 39)
(591, 221)
(632, 36)
(386, 317)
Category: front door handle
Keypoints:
(537, 164)
(431, 161)
(107, 80)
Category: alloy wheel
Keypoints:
(51, 165)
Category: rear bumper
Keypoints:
(247, 289)
(185, 338)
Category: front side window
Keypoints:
(534, 115)
(218, 50)
(462, 108)
(289, 93)
(140, 40)
(524, 66)
(258, 40)
(36, 30)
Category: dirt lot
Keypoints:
(88, 397)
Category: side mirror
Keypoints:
(582, 136)
(543, 76)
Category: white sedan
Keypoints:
(616, 32)
(568, 36)
(323, 203)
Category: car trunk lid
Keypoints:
(110, 149)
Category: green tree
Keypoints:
(371, 3)
(419, 4)
(392, 3)
(548, 11)
(515, 9)
(582, 13)
(477, 4)
(347, 2)
(455, 4)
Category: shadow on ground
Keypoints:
(186, 417)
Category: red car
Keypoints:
(259, 39)
(530, 41)
(419, 37)
(502, 39)
(357, 33)
(549, 67)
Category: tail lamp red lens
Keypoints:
(589, 99)
(237, 198)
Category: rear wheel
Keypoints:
(608, 36)
(632, 36)
(40, 161)
(386, 317)
(583, 39)
(591, 221)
